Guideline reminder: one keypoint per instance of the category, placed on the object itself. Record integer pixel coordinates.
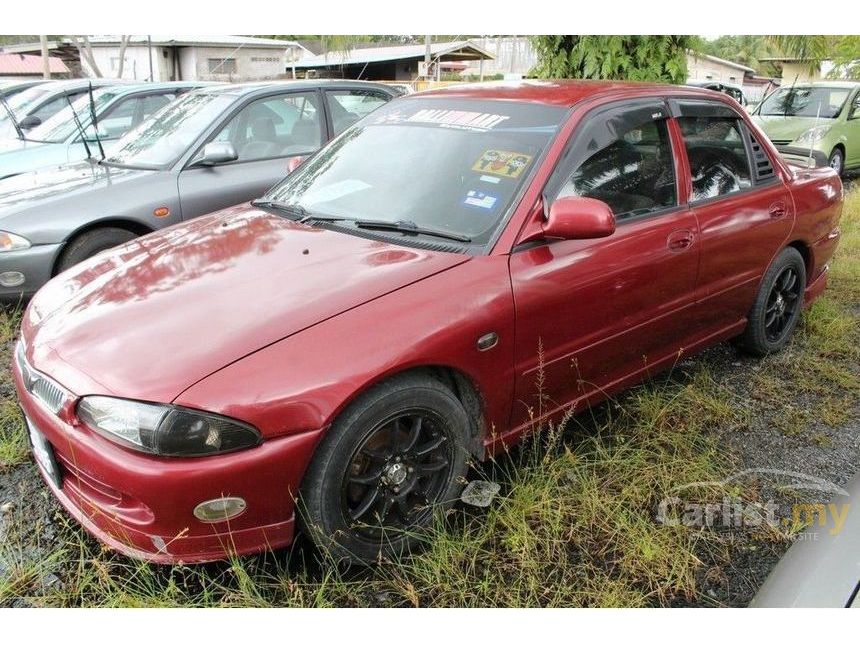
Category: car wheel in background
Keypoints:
(837, 161)
(777, 307)
(394, 458)
(88, 244)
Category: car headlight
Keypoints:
(166, 430)
(12, 242)
(813, 135)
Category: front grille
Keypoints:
(49, 393)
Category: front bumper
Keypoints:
(35, 263)
(142, 506)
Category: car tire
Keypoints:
(837, 161)
(88, 244)
(778, 305)
(376, 482)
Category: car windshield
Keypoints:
(20, 104)
(806, 101)
(164, 136)
(450, 166)
(62, 125)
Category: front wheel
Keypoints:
(837, 161)
(388, 464)
(776, 310)
(88, 244)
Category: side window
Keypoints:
(348, 106)
(119, 119)
(279, 126)
(719, 164)
(630, 169)
(53, 106)
(153, 103)
(855, 108)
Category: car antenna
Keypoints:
(12, 117)
(812, 138)
(80, 127)
(94, 121)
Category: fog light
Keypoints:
(11, 279)
(219, 510)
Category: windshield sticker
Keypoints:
(489, 179)
(458, 119)
(477, 199)
(502, 163)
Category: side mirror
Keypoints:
(294, 163)
(29, 122)
(215, 153)
(579, 218)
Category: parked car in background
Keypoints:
(11, 87)
(732, 89)
(822, 568)
(382, 315)
(820, 117)
(37, 104)
(209, 149)
(58, 140)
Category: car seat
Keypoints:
(263, 142)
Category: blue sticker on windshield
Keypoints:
(478, 199)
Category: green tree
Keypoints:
(844, 51)
(634, 58)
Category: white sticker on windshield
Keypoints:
(459, 119)
(334, 191)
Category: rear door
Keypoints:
(744, 211)
(592, 312)
(265, 132)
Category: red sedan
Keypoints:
(331, 356)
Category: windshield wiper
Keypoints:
(297, 211)
(12, 118)
(404, 226)
(95, 123)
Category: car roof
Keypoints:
(243, 89)
(166, 85)
(564, 93)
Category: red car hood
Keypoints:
(151, 318)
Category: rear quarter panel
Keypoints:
(818, 195)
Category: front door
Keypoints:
(266, 134)
(591, 312)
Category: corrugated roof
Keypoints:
(29, 65)
(396, 52)
(208, 41)
(722, 61)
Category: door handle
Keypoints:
(680, 240)
(777, 210)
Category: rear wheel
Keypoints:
(777, 307)
(390, 462)
(88, 244)
(837, 161)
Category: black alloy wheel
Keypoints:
(782, 304)
(391, 462)
(397, 473)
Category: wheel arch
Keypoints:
(126, 224)
(806, 253)
(463, 386)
